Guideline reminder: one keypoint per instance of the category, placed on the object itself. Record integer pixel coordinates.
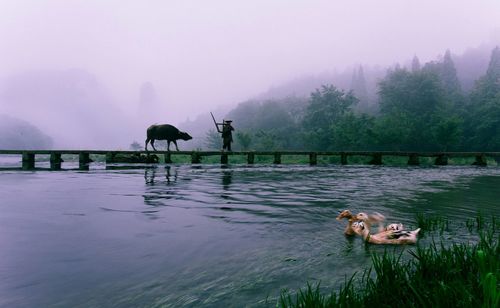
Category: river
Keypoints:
(202, 235)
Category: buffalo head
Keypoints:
(184, 136)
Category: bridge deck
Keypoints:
(211, 153)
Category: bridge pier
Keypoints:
(55, 161)
(168, 158)
(84, 160)
(376, 159)
(441, 160)
(195, 158)
(343, 158)
(224, 159)
(313, 159)
(277, 158)
(413, 160)
(110, 157)
(28, 161)
(250, 158)
(480, 161)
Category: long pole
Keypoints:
(215, 122)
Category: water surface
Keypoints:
(205, 235)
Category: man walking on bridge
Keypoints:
(227, 132)
(227, 135)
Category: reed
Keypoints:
(432, 223)
(440, 275)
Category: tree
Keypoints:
(135, 146)
(449, 74)
(277, 118)
(353, 132)
(415, 64)
(267, 141)
(483, 121)
(393, 132)
(213, 140)
(412, 102)
(448, 133)
(358, 86)
(327, 106)
(488, 86)
(244, 139)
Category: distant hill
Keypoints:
(70, 105)
(16, 134)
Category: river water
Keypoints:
(190, 236)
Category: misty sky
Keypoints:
(201, 54)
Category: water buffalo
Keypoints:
(165, 132)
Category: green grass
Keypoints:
(432, 223)
(460, 275)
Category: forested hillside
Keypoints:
(420, 108)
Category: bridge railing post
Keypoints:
(28, 161)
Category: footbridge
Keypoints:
(28, 157)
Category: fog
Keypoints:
(95, 73)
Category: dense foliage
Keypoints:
(419, 109)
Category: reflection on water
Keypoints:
(206, 235)
(226, 179)
(150, 174)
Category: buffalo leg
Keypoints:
(175, 142)
(146, 145)
(153, 144)
(168, 145)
